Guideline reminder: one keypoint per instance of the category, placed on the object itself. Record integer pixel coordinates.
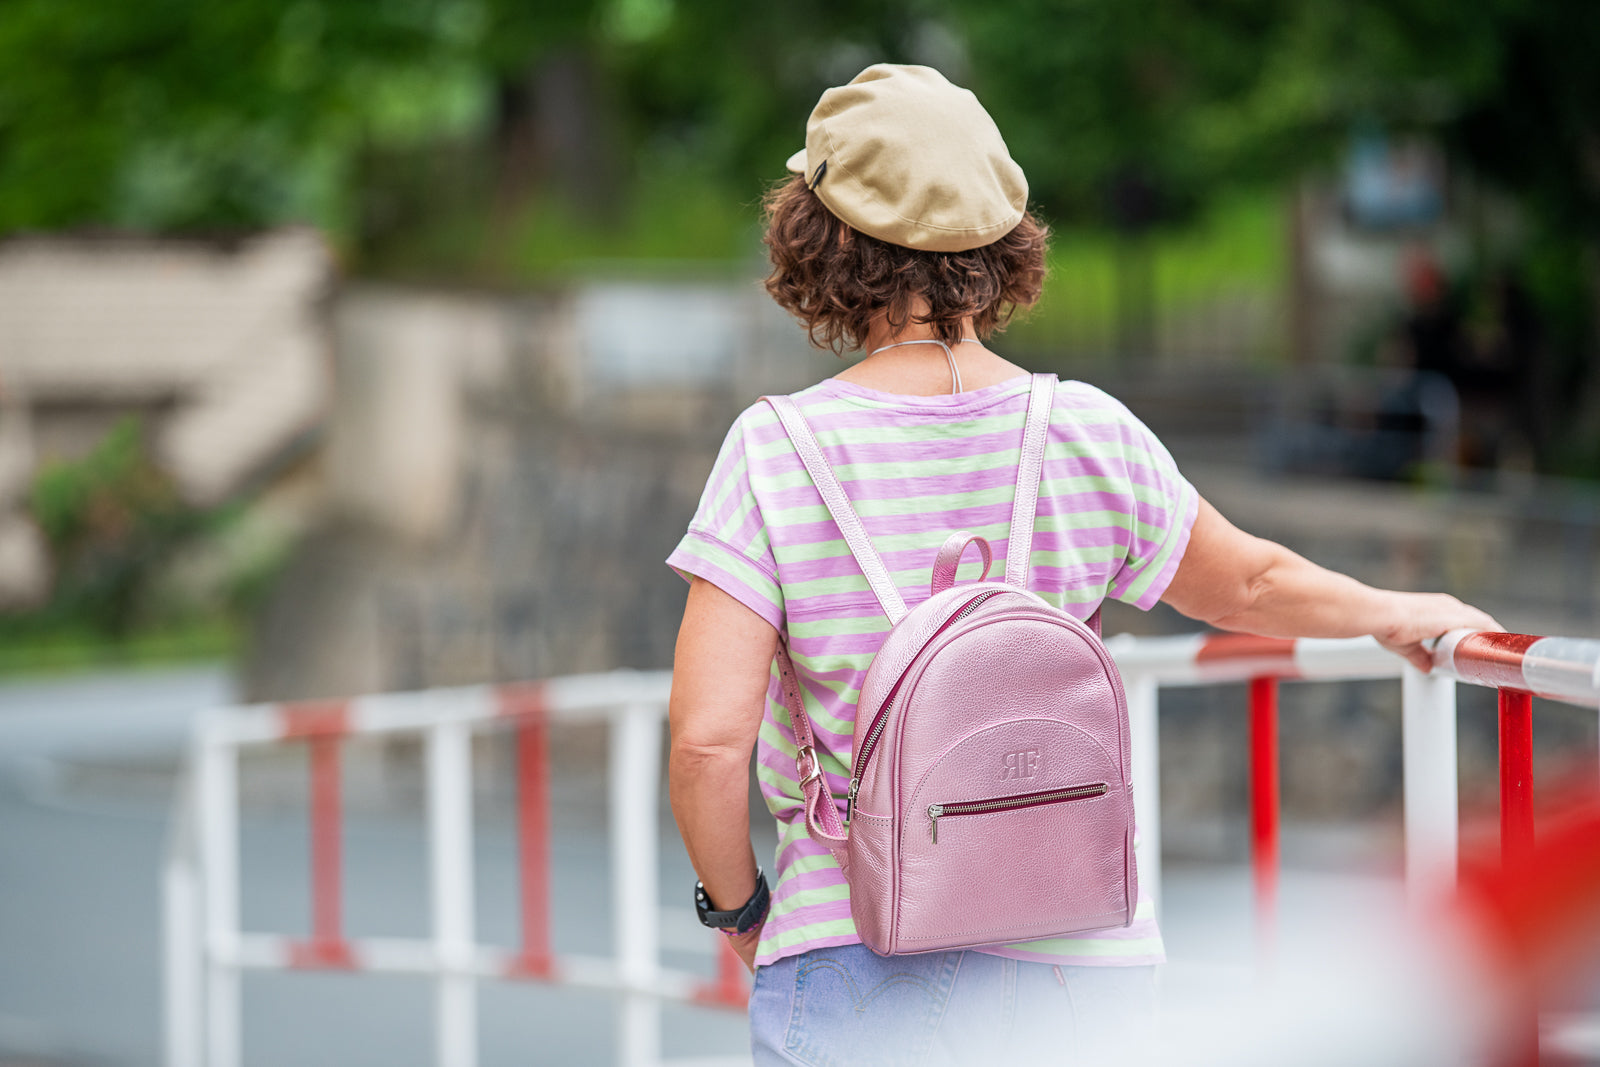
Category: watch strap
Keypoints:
(740, 920)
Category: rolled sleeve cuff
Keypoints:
(699, 555)
(1143, 588)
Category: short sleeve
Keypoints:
(1164, 506)
(727, 543)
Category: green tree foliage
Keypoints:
(184, 114)
(174, 114)
(732, 82)
(1204, 95)
(112, 520)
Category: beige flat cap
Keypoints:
(904, 156)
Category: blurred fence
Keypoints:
(207, 950)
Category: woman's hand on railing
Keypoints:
(1418, 618)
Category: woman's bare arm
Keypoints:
(1235, 581)
(719, 690)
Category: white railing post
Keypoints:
(217, 792)
(183, 966)
(635, 900)
(1143, 695)
(1428, 742)
(450, 858)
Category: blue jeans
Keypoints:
(849, 1007)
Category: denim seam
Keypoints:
(797, 1001)
(936, 1012)
(1008, 998)
(1072, 1009)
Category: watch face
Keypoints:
(717, 920)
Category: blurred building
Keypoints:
(219, 348)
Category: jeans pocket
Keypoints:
(853, 1007)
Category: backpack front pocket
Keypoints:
(1044, 860)
(1014, 803)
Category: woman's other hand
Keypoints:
(744, 945)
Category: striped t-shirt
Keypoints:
(1113, 520)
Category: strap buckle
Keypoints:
(803, 755)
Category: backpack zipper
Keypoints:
(880, 720)
(1011, 803)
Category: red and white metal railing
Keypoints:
(1519, 666)
(1151, 663)
(206, 950)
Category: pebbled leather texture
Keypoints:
(1015, 698)
(986, 694)
(871, 854)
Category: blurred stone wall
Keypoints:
(506, 476)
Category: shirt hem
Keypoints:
(1062, 959)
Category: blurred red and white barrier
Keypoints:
(206, 949)
(1517, 665)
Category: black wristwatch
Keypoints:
(741, 920)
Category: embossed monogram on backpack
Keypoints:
(1023, 763)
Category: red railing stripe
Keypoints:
(527, 704)
(326, 858)
(327, 947)
(1264, 802)
(728, 990)
(1243, 646)
(1516, 776)
(1493, 659)
(1516, 828)
(314, 718)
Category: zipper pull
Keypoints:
(850, 798)
(934, 811)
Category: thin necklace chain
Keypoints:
(950, 357)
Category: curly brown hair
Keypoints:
(836, 279)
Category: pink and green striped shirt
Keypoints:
(1114, 519)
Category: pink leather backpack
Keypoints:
(990, 799)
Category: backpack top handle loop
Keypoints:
(949, 559)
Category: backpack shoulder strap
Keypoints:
(838, 504)
(821, 812)
(1035, 432)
